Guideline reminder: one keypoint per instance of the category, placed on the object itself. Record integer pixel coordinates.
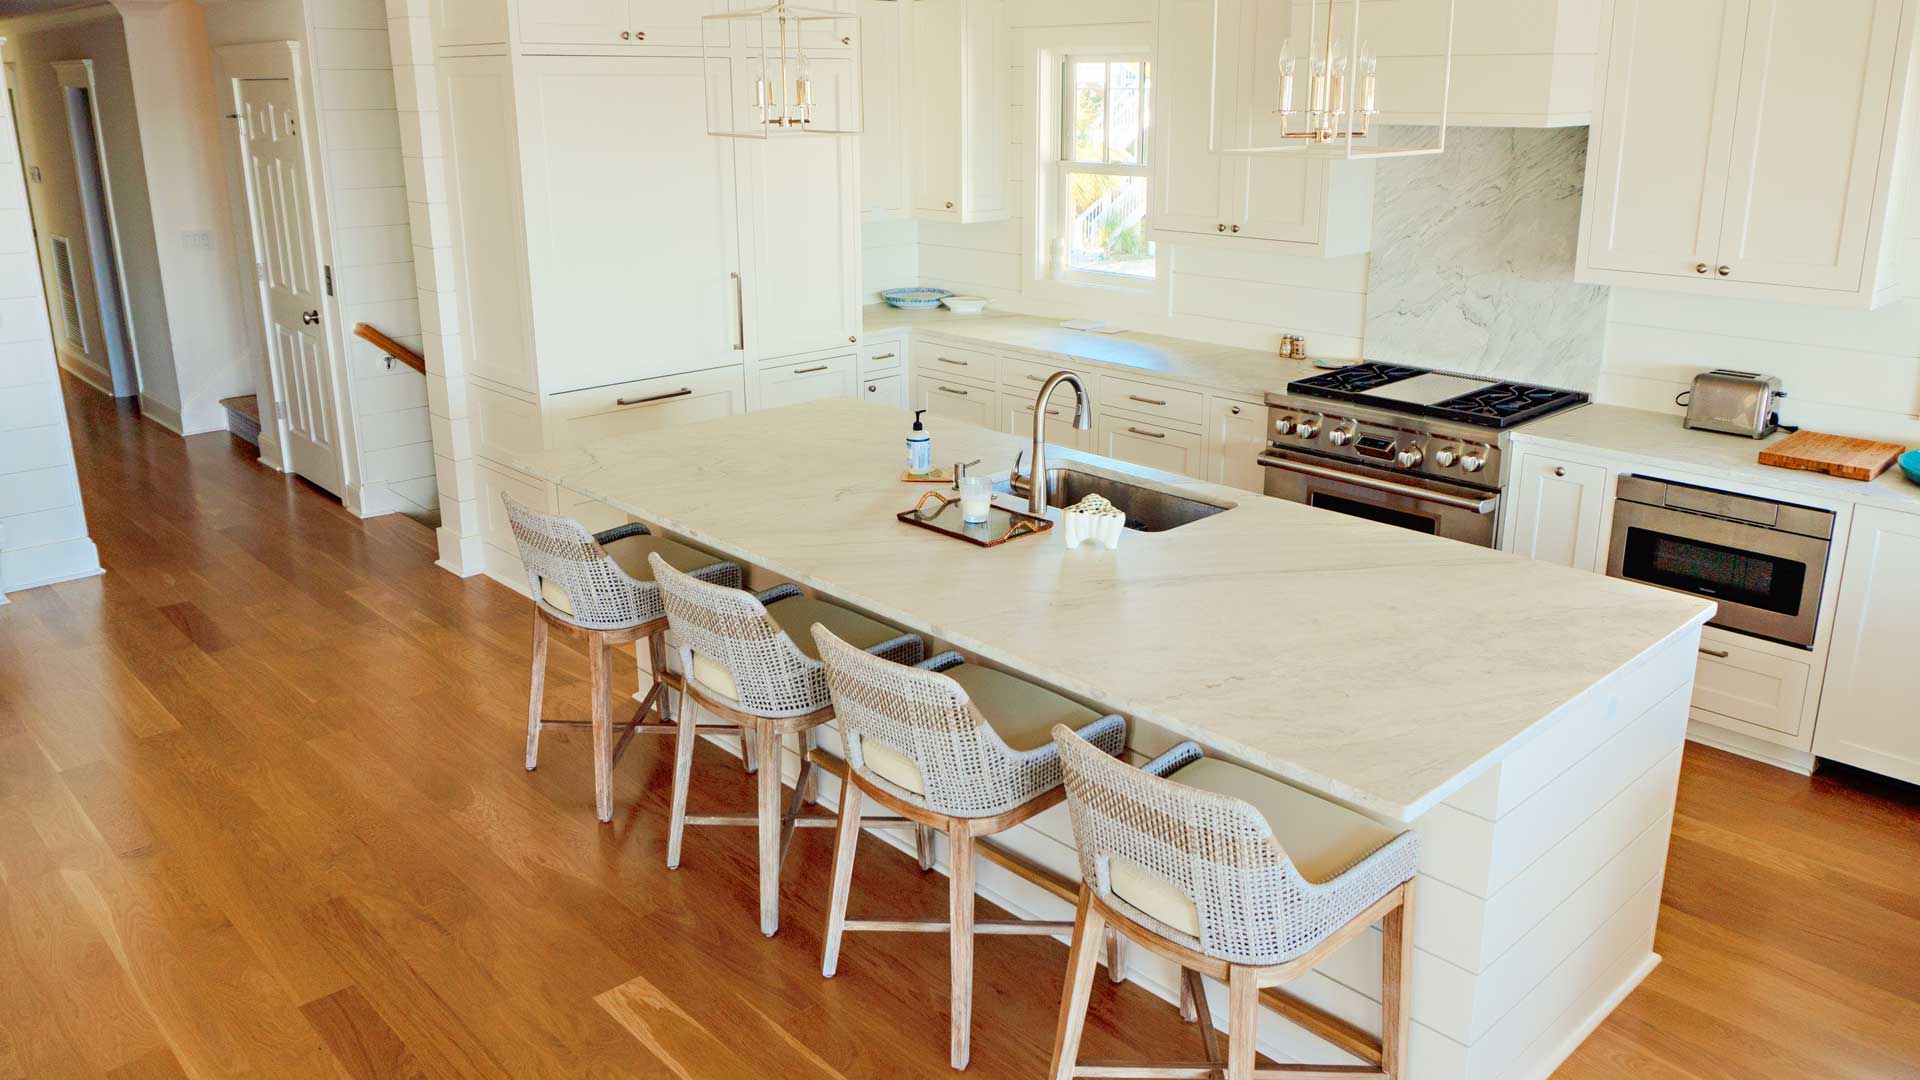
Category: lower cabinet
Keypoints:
(1236, 434)
(954, 399)
(584, 416)
(1556, 508)
(1018, 413)
(1870, 707)
(1156, 446)
(812, 379)
(885, 390)
(1749, 687)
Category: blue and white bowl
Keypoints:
(914, 299)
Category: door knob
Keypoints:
(311, 318)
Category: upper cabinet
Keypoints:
(957, 112)
(1293, 205)
(1516, 63)
(1867, 709)
(1745, 148)
(614, 22)
(885, 190)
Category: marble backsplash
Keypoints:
(1473, 254)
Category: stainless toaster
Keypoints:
(1734, 402)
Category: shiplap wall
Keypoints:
(43, 528)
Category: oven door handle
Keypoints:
(1387, 487)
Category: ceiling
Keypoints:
(13, 9)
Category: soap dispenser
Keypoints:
(919, 448)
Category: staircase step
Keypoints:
(243, 417)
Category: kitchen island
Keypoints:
(1526, 718)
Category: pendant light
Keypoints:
(801, 72)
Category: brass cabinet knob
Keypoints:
(949, 205)
(624, 35)
(1701, 268)
(1222, 228)
(872, 389)
(1235, 228)
(1725, 270)
(639, 35)
(854, 338)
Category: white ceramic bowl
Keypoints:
(965, 305)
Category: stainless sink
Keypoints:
(1147, 510)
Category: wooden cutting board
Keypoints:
(1836, 455)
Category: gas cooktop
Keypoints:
(1416, 391)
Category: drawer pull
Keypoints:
(1148, 434)
(1718, 654)
(684, 391)
(955, 363)
(951, 390)
(872, 389)
(1144, 400)
(1053, 412)
(809, 370)
(882, 356)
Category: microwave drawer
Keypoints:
(1735, 682)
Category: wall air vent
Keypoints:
(75, 329)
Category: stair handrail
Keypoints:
(393, 349)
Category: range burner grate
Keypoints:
(1496, 405)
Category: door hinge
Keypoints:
(329, 273)
(279, 410)
(259, 271)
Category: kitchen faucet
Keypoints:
(1082, 419)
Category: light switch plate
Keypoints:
(197, 240)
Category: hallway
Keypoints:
(262, 814)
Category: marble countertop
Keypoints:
(1659, 439)
(1379, 666)
(1244, 373)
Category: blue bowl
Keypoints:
(914, 299)
(1910, 464)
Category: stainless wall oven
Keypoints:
(1763, 561)
(1425, 504)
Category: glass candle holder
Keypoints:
(976, 498)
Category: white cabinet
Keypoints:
(812, 379)
(955, 399)
(1295, 205)
(1018, 414)
(1142, 442)
(1744, 148)
(883, 357)
(1746, 685)
(626, 287)
(958, 110)
(1870, 708)
(885, 390)
(1556, 508)
(614, 22)
(1236, 434)
(607, 412)
(490, 261)
(886, 190)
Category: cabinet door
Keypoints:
(624, 286)
(1664, 135)
(1807, 141)
(1190, 181)
(807, 380)
(1268, 198)
(1143, 443)
(885, 390)
(673, 22)
(1557, 507)
(803, 288)
(574, 22)
(884, 194)
(1236, 434)
(607, 412)
(1868, 715)
(1060, 430)
(490, 265)
(946, 399)
(934, 107)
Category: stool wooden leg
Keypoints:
(600, 667)
(1395, 1018)
(1116, 957)
(747, 752)
(846, 841)
(683, 741)
(1193, 990)
(1189, 1013)
(1088, 925)
(960, 939)
(923, 846)
(537, 691)
(657, 662)
(769, 807)
(1243, 1022)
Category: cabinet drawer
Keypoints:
(585, 416)
(1027, 375)
(880, 357)
(798, 381)
(935, 359)
(1153, 445)
(1153, 399)
(955, 399)
(1750, 686)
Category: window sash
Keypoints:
(1069, 102)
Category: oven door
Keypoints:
(1455, 511)
(1766, 581)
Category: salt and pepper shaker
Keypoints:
(1293, 347)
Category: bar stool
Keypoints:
(958, 748)
(1233, 875)
(748, 659)
(600, 585)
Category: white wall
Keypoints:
(43, 528)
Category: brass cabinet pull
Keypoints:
(809, 370)
(1222, 228)
(1145, 400)
(624, 35)
(1725, 270)
(1235, 228)
(1148, 434)
(1718, 654)
(684, 391)
(1053, 412)
(949, 206)
(951, 390)
(1236, 410)
(955, 363)
(1701, 268)
(1559, 470)
(739, 313)
(639, 35)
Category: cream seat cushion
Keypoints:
(1018, 711)
(796, 615)
(1322, 838)
(630, 555)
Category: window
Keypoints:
(1104, 124)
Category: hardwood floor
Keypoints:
(262, 813)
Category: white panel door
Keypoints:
(574, 22)
(630, 220)
(1557, 507)
(934, 107)
(1190, 181)
(1236, 434)
(283, 236)
(885, 390)
(803, 287)
(1665, 131)
(677, 22)
(1870, 707)
(1807, 141)
(483, 176)
(1269, 198)
(884, 180)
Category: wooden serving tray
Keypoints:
(1001, 525)
(1836, 455)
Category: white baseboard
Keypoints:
(84, 369)
(1746, 746)
(48, 564)
(461, 556)
(160, 413)
(1543, 1067)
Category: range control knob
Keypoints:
(1343, 433)
(1410, 457)
(1474, 458)
(1309, 427)
(1446, 456)
(1284, 425)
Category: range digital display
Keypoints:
(1374, 446)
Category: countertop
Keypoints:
(1375, 665)
(1659, 439)
(1244, 373)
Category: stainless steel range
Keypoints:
(1425, 450)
